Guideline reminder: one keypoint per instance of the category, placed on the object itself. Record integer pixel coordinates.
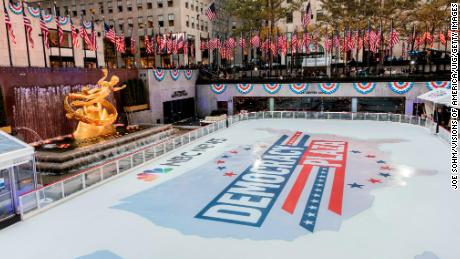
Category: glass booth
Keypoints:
(17, 174)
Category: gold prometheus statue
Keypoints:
(95, 115)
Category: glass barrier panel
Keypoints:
(300, 115)
(288, 115)
(160, 150)
(92, 177)
(423, 122)
(268, 115)
(149, 153)
(124, 164)
(415, 120)
(177, 142)
(406, 118)
(372, 117)
(73, 185)
(53, 192)
(193, 135)
(384, 117)
(347, 116)
(110, 170)
(260, 115)
(185, 139)
(358, 116)
(334, 116)
(169, 146)
(276, 115)
(252, 116)
(322, 116)
(138, 158)
(29, 202)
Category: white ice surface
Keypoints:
(402, 223)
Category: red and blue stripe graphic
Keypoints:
(328, 88)
(299, 88)
(244, 88)
(272, 88)
(175, 74)
(437, 84)
(218, 88)
(400, 87)
(159, 74)
(188, 74)
(365, 88)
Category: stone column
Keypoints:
(271, 104)
(354, 104)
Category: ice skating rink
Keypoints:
(265, 189)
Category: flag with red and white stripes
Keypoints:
(255, 41)
(148, 46)
(28, 28)
(307, 16)
(60, 30)
(45, 32)
(133, 47)
(9, 26)
(75, 42)
(211, 12)
(394, 38)
(242, 42)
(109, 33)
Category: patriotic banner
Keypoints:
(364, 88)
(63, 20)
(175, 74)
(29, 29)
(34, 11)
(16, 8)
(328, 88)
(218, 88)
(300, 88)
(188, 74)
(88, 25)
(272, 88)
(244, 88)
(47, 17)
(159, 74)
(437, 84)
(400, 87)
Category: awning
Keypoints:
(439, 96)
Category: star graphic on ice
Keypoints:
(230, 174)
(316, 195)
(225, 156)
(308, 222)
(370, 156)
(233, 152)
(381, 162)
(247, 148)
(374, 181)
(319, 185)
(220, 162)
(314, 201)
(313, 207)
(355, 185)
(356, 151)
(221, 167)
(385, 174)
(311, 215)
(385, 168)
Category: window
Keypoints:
(160, 21)
(289, 18)
(150, 22)
(140, 22)
(101, 7)
(193, 22)
(233, 25)
(196, 6)
(201, 8)
(120, 6)
(160, 3)
(171, 19)
(149, 4)
(121, 25)
(187, 21)
(129, 5)
(83, 12)
(170, 3)
(186, 4)
(54, 36)
(130, 22)
(206, 26)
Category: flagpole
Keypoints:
(391, 48)
(56, 19)
(43, 37)
(25, 32)
(8, 36)
(445, 47)
(368, 46)
(73, 47)
(94, 37)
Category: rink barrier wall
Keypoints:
(52, 195)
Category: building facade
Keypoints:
(22, 53)
(138, 18)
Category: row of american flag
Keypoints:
(88, 37)
(345, 41)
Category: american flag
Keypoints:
(45, 32)
(336, 41)
(203, 44)
(231, 43)
(212, 44)
(120, 43)
(93, 39)
(28, 28)
(211, 12)
(404, 53)
(242, 42)
(169, 45)
(293, 43)
(327, 43)
(60, 31)
(148, 46)
(307, 15)
(86, 38)
(306, 42)
(9, 26)
(373, 40)
(75, 42)
(442, 38)
(109, 33)
(255, 41)
(394, 38)
(133, 46)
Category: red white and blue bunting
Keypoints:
(218, 88)
(188, 74)
(437, 84)
(34, 11)
(16, 8)
(244, 88)
(63, 20)
(175, 74)
(47, 17)
(299, 88)
(328, 88)
(400, 87)
(272, 88)
(87, 25)
(159, 74)
(364, 88)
